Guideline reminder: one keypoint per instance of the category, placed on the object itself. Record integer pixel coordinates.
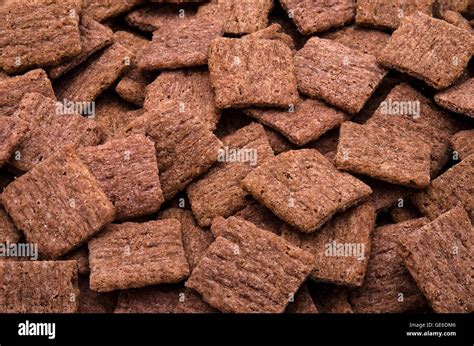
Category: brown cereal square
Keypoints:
(261, 217)
(12, 132)
(304, 189)
(459, 98)
(251, 72)
(58, 204)
(152, 18)
(246, 16)
(8, 231)
(247, 269)
(341, 76)
(104, 9)
(463, 143)
(132, 255)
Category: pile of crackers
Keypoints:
(236, 156)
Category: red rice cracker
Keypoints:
(127, 171)
(459, 98)
(50, 128)
(12, 132)
(97, 74)
(247, 269)
(454, 187)
(388, 287)
(94, 37)
(58, 204)
(219, 192)
(38, 287)
(304, 189)
(407, 112)
(429, 49)
(132, 255)
(12, 89)
(439, 257)
(463, 143)
(196, 240)
(312, 16)
(303, 122)
(184, 44)
(386, 14)
(8, 231)
(190, 89)
(339, 75)
(185, 147)
(101, 10)
(375, 152)
(341, 247)
(250, 72)
(37, 33)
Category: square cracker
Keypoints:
(12, 131)
(196, 240)
(247, 269)
(58, 204)
(458, 98)
(252, 72)
(341, 76)
(386, 276)
(311, 16)
(94, 37)
(132, 255)
(430, 49)
(12, 89)
(126, 170)
(463, 143)
(93, 77)
(439, 257)
(190, 89)
(353, 228)
(432, 125)
(49, 128)
(185, 147)
(37, 33)
(386, 14)
(304, 189)
(375, 152)
(246, 16)
(183, 44)
(104, 9)
(38, 287)
(302, 123)
(151, 18)
(454, 187)
(218, 192)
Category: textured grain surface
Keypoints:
(375, 152)
(272, 32)
(152, 18)
(127, 172)
(252, 72)
(196, 240)
(96, 75)
(385, 195)
(352, 229)
(190, 89)
(457, 19)
(183, 44)
(219, 192)
(101, 10)
(463, 143)
(386, 14)
(38, 287)
(312, 16)
(81, 256)
(248, 269)
(303, 122)
(278, 142)
(12, 89)
(132, 255)
(454, 187)
(58, 204)
(111, 114)
(8, 231)
(459, 98)
(303, 188)
(388, 287)
(185, 147)
(428, 48)
(245, 16)
(432, 125)
(341, 76)
(38, 33)
(405, 213)
(439, 256)
(94, 36)
(12, 132)
(260, 217)
(49, 130)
